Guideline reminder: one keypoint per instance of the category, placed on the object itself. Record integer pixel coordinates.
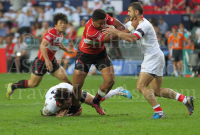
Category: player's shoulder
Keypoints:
(92, 31)
(52, 31)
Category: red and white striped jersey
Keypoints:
(91, 42)
(54, 39)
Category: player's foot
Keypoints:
(9, 91)
(189, 104)
(158, 116)
(124, 92)
(98, 108)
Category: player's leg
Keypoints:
(87, 97)
(65, 62)
(155, 87)
(61, 75)
(38, 70)
(175, 59)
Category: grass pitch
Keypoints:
(21, 114)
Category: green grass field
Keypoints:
(21, 114)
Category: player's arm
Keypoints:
(43, 49)
(118, 25)
(62, 47)
(125, 36)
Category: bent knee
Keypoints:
(140, 87)
(111, 82)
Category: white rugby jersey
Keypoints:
(50, 106)
(147, 40)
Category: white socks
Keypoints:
(111, 93)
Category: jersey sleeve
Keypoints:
(169, 40)
(110, 20)
(141, 30)
(50, 35)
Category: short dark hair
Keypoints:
(137, 6)
(62, 94)
(59, 16)
(98, 14)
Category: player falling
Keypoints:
(46, 61)
(153, 64)
(59, 100)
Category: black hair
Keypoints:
(59, 16)
(62, 94)
(137, 6)
(98, 14)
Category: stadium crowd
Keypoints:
(36, 20)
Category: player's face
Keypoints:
(61, 26)
(100, 24)
(66, 104)
(131, 13)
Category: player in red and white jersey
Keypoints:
(58, 100)
(91, 50)
(153, 64)
(46, 61)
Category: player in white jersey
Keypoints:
(153, 64)
(58, 100)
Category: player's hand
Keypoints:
(49, 65)
(109, 30)
(62, 113)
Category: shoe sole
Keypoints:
(191, 103)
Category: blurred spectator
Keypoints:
(179, 4)
(97, 5)
(20, 54)
(59, 8)
(30, 16)
(68, 59)
(9, 52)
(79, 11)
(41, 16)
(81, 29)
(160, 39)
(71, 32)
(176, 41)
(195, 18)
(2, 7)
(153, 2)
(197, 37)
(190, 44)
(169, 5)
(153, 21)
(66, 7)
(85, 8)
(42, 28)
(184, 31)
(156, 28)
(108, 8)
(11, 15)
(2, 43)
(3, 30)
(163, 26)
(29, 6)
(48, 7)
(23, 23)
(17, 4)
(33, 29)
(2, 18)
(145, 2)
(188, 10)
(74, 18)
(48, 12)
(160, 4)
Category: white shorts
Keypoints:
(154, 63)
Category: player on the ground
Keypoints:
(59, 100)
(91, 50)
(45, 61)
(153, 64)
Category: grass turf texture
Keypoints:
(21, 114)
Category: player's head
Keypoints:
(99, 19)
(63, 97)
(135, 9)
(60, 22)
